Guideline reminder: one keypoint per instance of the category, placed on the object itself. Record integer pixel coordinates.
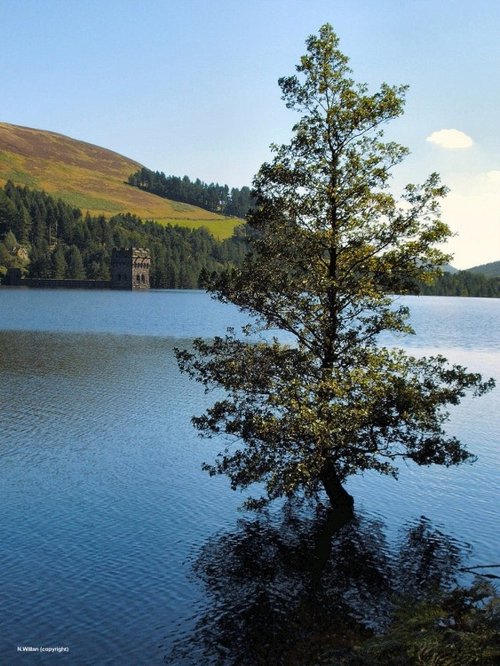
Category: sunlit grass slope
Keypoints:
(92, 178)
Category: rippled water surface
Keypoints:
(108, 525)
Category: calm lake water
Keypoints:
(117, 546)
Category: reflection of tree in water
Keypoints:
(285, 589)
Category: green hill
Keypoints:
(490, 270)
(93, 179)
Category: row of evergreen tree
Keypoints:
(48, 238)
(213, 197)
(464, 283)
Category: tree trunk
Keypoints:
(336, 519)
(338, 496)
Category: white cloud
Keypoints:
(493, 176)
(450, 139)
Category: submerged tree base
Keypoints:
(337, 494)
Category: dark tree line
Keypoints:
(48, 238)
(464, 283)
(213, 197)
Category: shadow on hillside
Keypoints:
(284, 589)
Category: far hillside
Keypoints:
(490, 270)
(93, 179)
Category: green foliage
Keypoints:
(12, 255)
(60, 266)
(75, 269)
(213, 197)
(9, 216)
(456, 628)
(328, 243)
(5, 256)
(10, 241)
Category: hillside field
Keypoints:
(93, 179)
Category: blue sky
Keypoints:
(190, 87)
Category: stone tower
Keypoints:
(130, 268)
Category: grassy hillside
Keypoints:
(490, 270)
(92, 178)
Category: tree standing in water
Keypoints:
(329, 244)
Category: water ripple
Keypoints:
(105, 508)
